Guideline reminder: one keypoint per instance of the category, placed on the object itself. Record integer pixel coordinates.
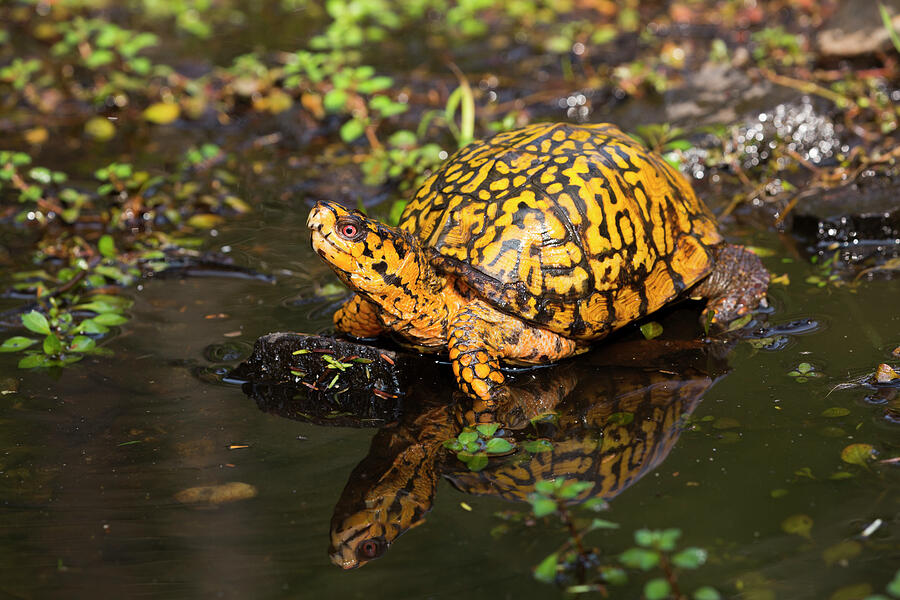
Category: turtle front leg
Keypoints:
(479, 336)
(358, 318)
(736, 286)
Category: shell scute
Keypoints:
(575, 228)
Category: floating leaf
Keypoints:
(639, 558)
(620, 418)
(100, 129)
(657, 589)
(856, 591)
(535, 446)
(841, 552)
(110, 319)
(205, 221)
(82, 343)
(477, 463)
(546, 570)
(541, 507)
(216, 494)
(835, 412)
(36, 322)
(798, 525)
(17, 343)
(858, 454)
(651, 330)
(34, 360)
(352, 129)
(689, 558)
(740, 322)
(487, 429)
(162, 113)
(107, 246)
(52, 344)
(706, 593)
(498, 446)
(602, 524)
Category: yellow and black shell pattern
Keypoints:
(575, 228)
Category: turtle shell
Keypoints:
(575, 228)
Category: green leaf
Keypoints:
(100, 129)
(689, 558)
(97, 306)
(651, 330)
(82, 343)
(614, 575)
(34, 360)
(17, 343)
(545, 487)
(543, 507)
(657, 589)
(36, 322)
(41, 175)
(706, 593)
(858, 454)
(162, 113)
(467, 437)
(376, 84)
(335, 100)
(639, 558)
(573, 488)
(91, 326)
(546, 570)
(487, 429)
(477, 463)
(620, 418)
(498, 446)
(52, 345)
(602, 524)
(109, 319)
(645, 537)
(535, 446)
(668, 538)
(893, 588)
(352, 129)
(798, 525)
(107, 246)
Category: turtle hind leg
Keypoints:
(736, 286)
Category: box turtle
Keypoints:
(526, 246)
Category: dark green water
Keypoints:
(84, 513)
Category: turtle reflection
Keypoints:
(608, 423)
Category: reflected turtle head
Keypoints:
(367, 534)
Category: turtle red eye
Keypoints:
(349, 230)
(370, 549)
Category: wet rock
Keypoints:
(717, 93)
(860, 221)
(856, 29)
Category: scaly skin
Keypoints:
(359, 318)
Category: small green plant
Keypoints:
(69, 332)
(582, 569)
(474, 445)
(803, 372)
(892, 588)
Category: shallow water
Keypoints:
(93, 457)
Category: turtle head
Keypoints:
(368, 256)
